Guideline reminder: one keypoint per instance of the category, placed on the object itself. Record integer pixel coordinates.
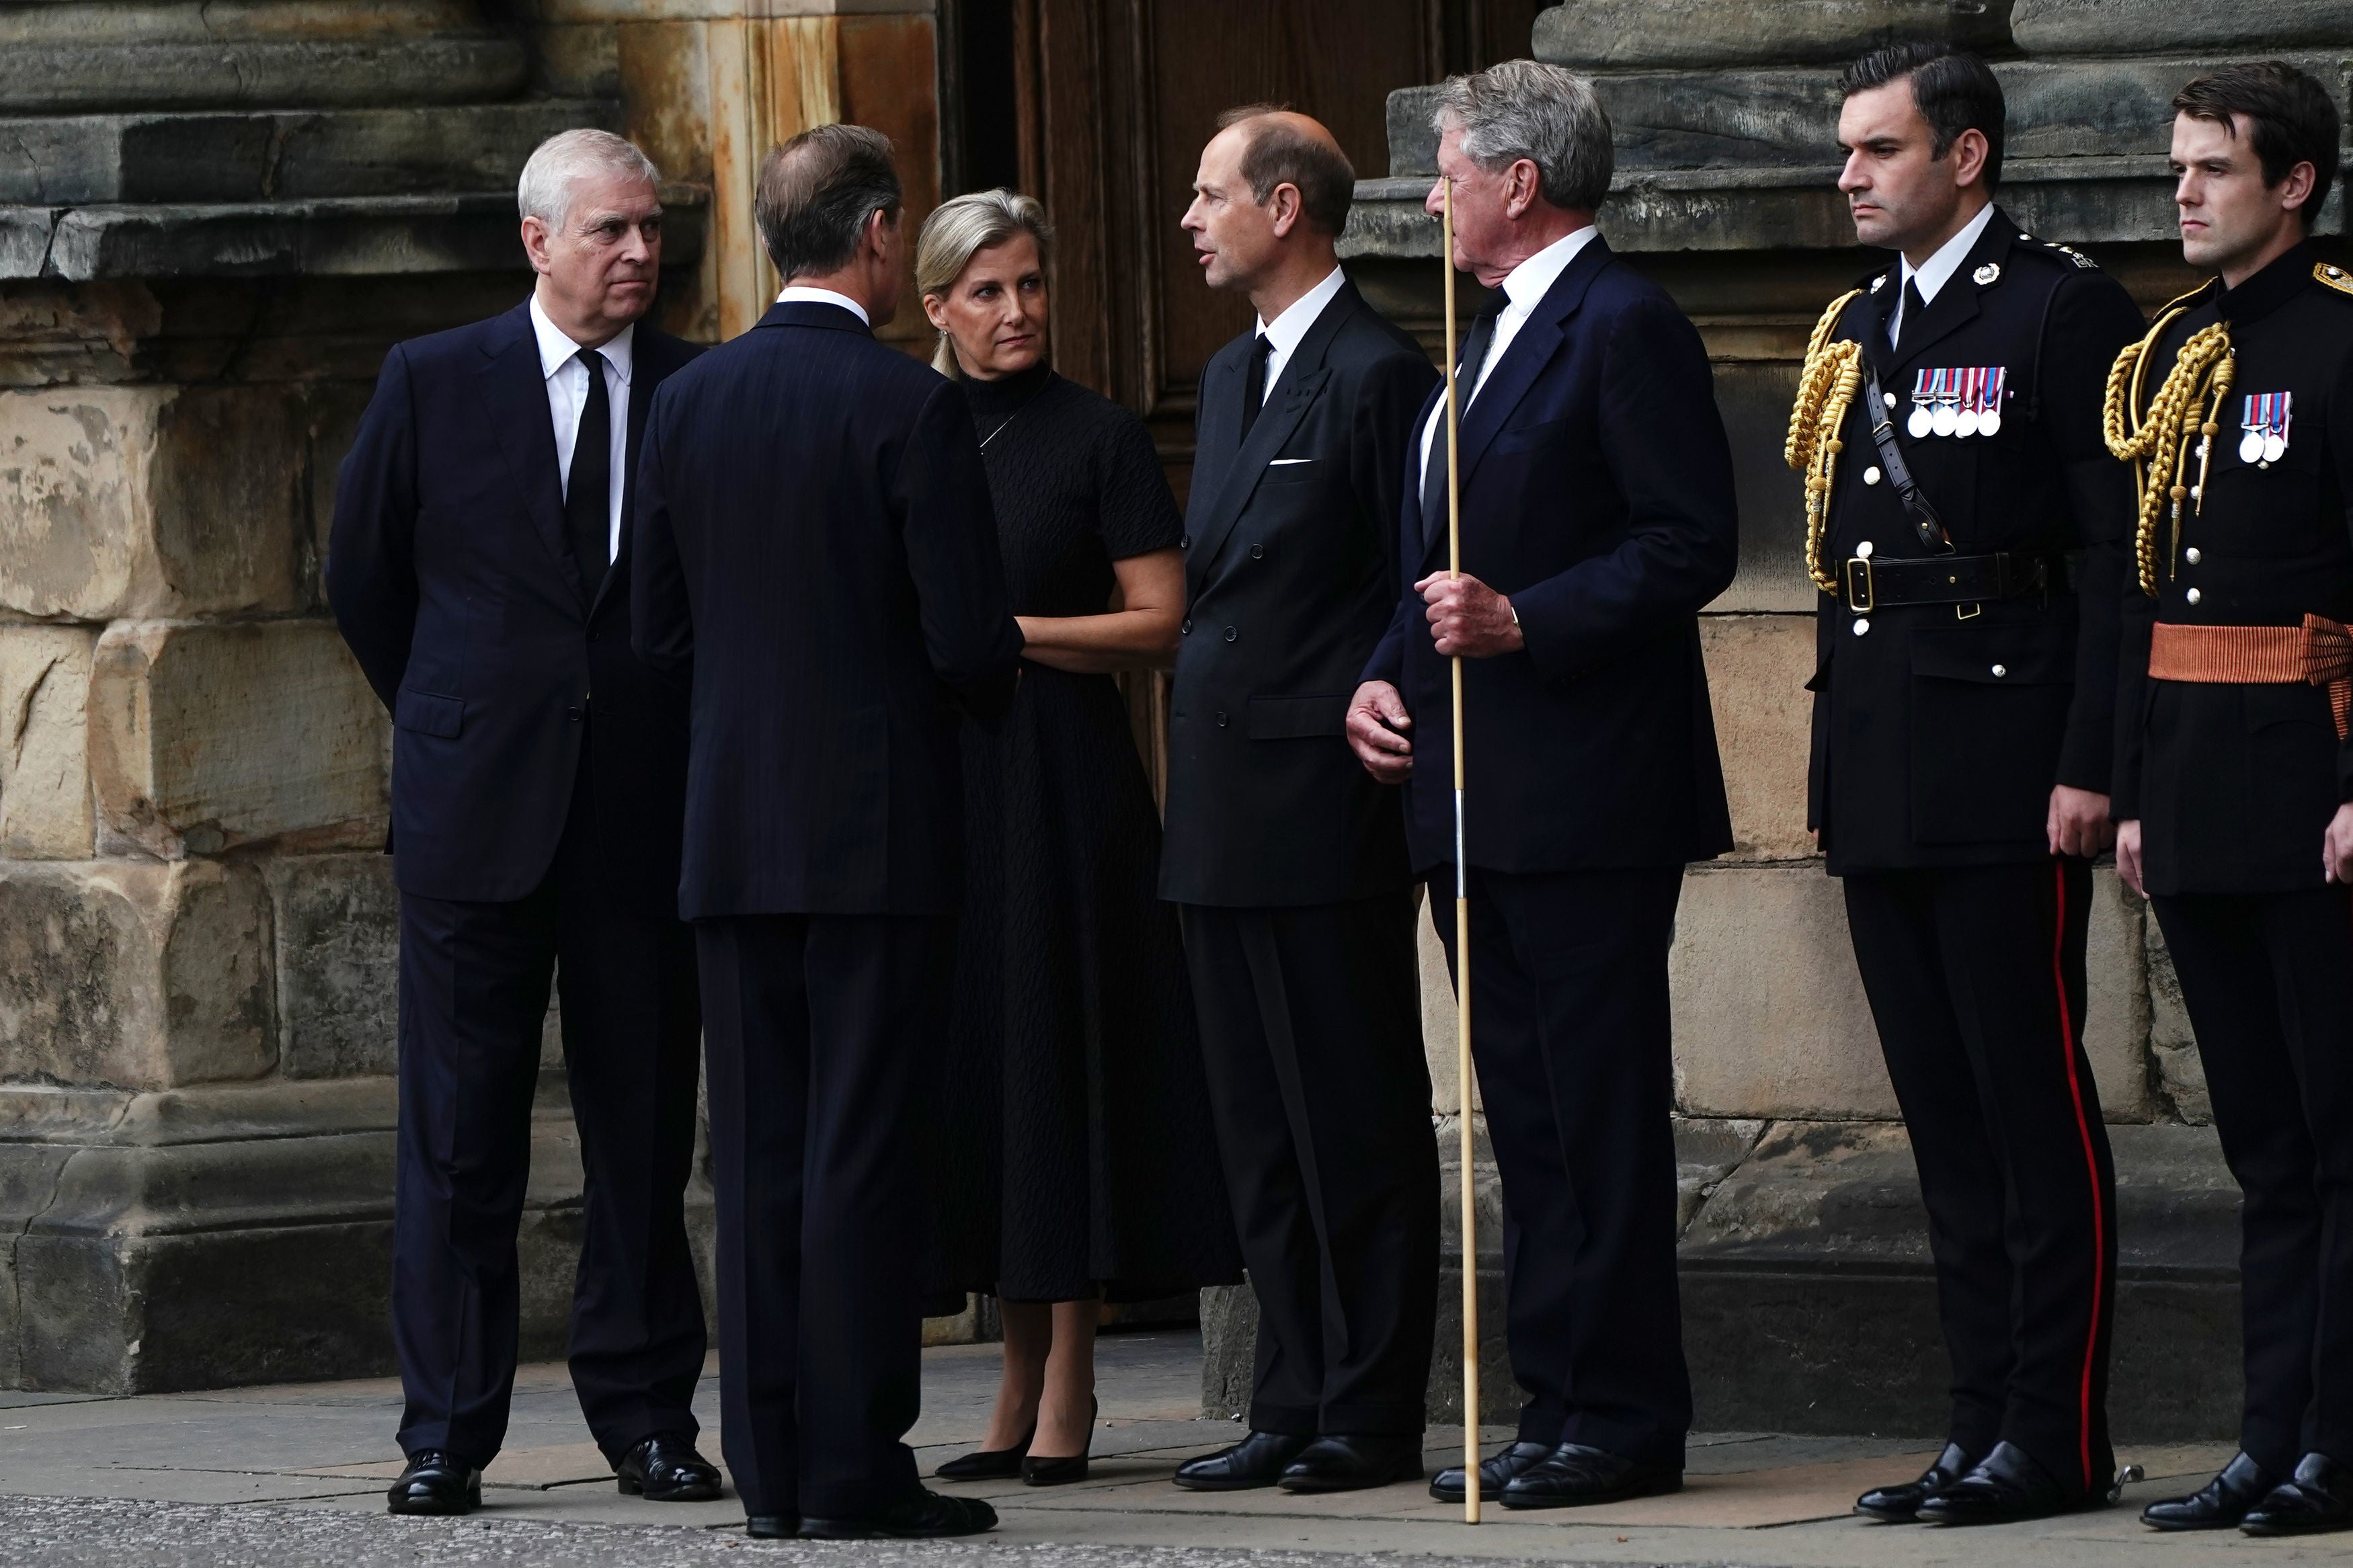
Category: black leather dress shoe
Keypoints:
(1342, 1463)
(988, 1464)
(1494, 1471)
(921, 1515)
(437, 1482)
(2220, 1504)
(2320, 1499)
(2005, 1486)
(1574, 1475)
(666, 1468)
(1061, 1469)
(1257, 1460)
(772, 1526)
(1901, 1504)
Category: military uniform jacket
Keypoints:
(1290, 577)
(2234, 786)
(1940, 729)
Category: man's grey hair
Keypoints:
(567, 158)
(1526, 108)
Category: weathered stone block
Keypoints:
(150, 501)
(1769, 1015)
(1610, 33)
(134, 975)
(2107, 26)
(208, 736)
(336, 919)
(1758, 666)
(2173, 1043)
(45, 799)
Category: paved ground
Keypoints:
(293, 1478)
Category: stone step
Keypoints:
(286, 155)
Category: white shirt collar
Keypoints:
(1532, 279)
(557, 350)
(1287, 329)
(802, 294)
(1949, 256)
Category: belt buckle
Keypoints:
(1861, 589)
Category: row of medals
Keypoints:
(1957, 403)
(1946, 417)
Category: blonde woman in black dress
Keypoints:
(1076, 1160)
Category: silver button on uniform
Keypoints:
(2191, 555)
(2000, 670)
(1861, 625)
(2195, 595)
(1871, 475)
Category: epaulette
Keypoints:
(2330, 276)
(2058, 252)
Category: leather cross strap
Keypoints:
(2318, 653)
(1873, 583)
(1917, 506)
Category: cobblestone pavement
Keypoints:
(294, 1477)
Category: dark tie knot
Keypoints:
(593, 361)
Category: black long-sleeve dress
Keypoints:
(1075, 1152)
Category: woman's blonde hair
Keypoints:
(960, 229)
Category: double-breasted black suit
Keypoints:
(1289, 866)
(1597, 495)
(816, 551)
(2234, 784)
(537, 778)
(1944, 713)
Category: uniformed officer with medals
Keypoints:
(2233, 768)
(1966, 530)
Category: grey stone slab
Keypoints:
(1693, 33)
(336, 929)
(66, 76)
(216, 157)
(2100, 26)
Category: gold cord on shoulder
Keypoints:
(1826, 389)
(2157, 442)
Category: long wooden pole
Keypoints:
(1462, 1081)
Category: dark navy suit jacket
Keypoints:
(1598, 494)
(451, 578)
(815, 542)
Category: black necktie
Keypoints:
(1475, 349)
(1912, 306)
(1254, 384)
(589, 490)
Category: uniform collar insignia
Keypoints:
(1879, 282)
(1986, 274)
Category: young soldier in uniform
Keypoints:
(1965, 527)
(2232, 770)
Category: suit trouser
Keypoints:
(2268, 978)
(818, 1029)
(1976, 981)
(1570, 1034)
(473, 1005)
(1311, 1033)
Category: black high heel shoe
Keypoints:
(989, 1464)
(1057, 1472)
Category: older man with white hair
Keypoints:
(1598, 517)
(480, 572)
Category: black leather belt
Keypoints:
(1877, 584)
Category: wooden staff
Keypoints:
(1462, 924)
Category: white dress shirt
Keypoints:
(802, 294)
(1285, 332)
(567, 395)
(1939, 269)
(1524, 290)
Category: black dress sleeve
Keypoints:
(1134, 512)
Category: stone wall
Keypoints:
(1808, 1296)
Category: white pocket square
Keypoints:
(1287, 462)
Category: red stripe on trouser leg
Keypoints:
(2091, 1160)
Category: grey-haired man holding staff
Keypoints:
(819, 553)
(1597, 519)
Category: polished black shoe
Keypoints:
(437, 1482)
(666, 1468)
(1901, 1504)
(988, 1464)
(1494, 1472)
(2005, 1486)
(921, 1515)
(1061, 1470)
(2320, 1499)
(772, 1526)
(1257, 1460)
(1574, 1475)
(2220, 1504)
(1342, 1463)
